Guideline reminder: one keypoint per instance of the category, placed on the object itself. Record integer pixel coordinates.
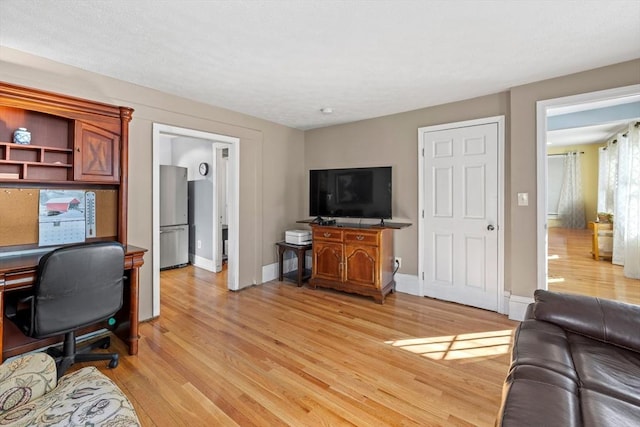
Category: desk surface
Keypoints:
(29, 261)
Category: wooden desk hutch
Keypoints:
(75, 144)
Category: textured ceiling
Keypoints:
(285, 60)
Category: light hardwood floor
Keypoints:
(276, 354)
(572, 269)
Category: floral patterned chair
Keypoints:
(30, 395)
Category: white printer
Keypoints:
(297, 237)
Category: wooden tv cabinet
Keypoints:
(354, 259)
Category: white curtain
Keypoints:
(628, 201)
(603, 178)
(621, 192)
(571, 204)
(612, 175)
(622, 198)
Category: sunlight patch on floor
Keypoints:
(454, 347)
(553, 257)
(555, 279)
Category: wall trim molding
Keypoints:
(518, 307)
(233, 218)
(269, 272)
(201, 262)
(542, 106)
(408, 284)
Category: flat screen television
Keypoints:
(350, 193)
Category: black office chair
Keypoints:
(76, 286)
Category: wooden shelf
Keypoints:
(293, 275)
(14, 146)
(75, 143)
(31, 162)
(49, 165)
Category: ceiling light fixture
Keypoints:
(326, 110)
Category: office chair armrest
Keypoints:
(11, 307)
(30, 301)
(26, 378)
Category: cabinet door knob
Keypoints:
(78, 149)
(490, 227)
(327, 234)
(359, 237)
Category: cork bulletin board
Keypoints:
(19, 216)
(106, 213)
(19, 209)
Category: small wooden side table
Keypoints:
(302, 273)
(601, 238)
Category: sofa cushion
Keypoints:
(600, 410)
(26, 378)
(532, 391)
(605, 320)
(607, 369)
(545, 345)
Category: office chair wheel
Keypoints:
(114, 362)
(105, 345)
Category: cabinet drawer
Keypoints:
(327, 234)
(367, 238)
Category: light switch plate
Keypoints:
(523, 199)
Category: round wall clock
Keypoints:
(204, 168)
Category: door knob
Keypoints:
(490, 227)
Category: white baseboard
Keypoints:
(405, 283)
(505, 302)
(408, 284)
(518, 307)
(201, 262)
(269, 272)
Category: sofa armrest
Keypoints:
(26, 378)
(608, 321)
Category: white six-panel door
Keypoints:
(460, 228)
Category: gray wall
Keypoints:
(393, 140)
(521, 260)
(274, 159)
(270, 157)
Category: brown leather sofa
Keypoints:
(575, 362)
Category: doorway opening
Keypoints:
(222, 149)
(565, 255)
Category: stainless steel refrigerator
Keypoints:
(174, 229)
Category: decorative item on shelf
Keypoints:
(605, 217)
(22, 136)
